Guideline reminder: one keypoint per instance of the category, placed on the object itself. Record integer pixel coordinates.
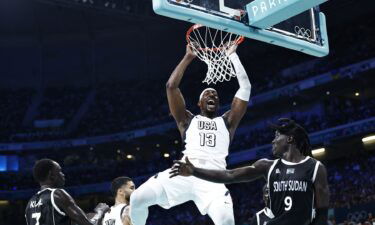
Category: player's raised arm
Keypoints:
(241, 99)
(65, 202)
(322, 196)
(243, 174)
(175, 99)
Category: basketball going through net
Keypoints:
(211, 45)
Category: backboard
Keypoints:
(293, 24)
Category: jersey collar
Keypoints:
(45, 189)
(292, 163)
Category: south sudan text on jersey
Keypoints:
(290, 185)
(292, 191)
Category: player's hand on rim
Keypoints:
(189, 52)
(232, 48)
(180, 168)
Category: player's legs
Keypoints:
(215, 200)
(148, 194)
(220, 210)
(159, 190)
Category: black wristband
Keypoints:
(321, 216)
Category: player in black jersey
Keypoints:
(53, 205)
(264, 215)
(299, 193)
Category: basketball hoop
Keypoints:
(211, 45)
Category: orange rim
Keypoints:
(239, 40)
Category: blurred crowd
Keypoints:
(336, 111)
(367, 219)
(118, 109)
(14, 104)
(97, 163)
(353, 181)
(125, 105)
(343, 51)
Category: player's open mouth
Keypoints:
(210, 102)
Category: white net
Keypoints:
(211, 45)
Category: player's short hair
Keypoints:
(118, 182)
(42, 168)
(291, 128)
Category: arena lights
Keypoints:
(368, 139)
(88, 1)
(318, 151)
(4, 202)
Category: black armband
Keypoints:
(321, 217)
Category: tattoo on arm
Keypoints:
(125, 216)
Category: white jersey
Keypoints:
(207, 139)
(113, 216)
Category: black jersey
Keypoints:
(42, 210)
(262, 217)
(291, 187)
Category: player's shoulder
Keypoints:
(266, 162)
(185, 123)
(120, 206)
(60, 191)
(35, 196)
(125, 210)
(320, 167)
(29, 202)
(189, 114)
(61, 196)
(317, 163)
(320, 170)
(40, 194)
(264, 165)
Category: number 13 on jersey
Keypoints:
(207, 139)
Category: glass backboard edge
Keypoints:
(163, 7)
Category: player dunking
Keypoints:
(207, 138)
(121, 188)
(52, 205)
(299, 193)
